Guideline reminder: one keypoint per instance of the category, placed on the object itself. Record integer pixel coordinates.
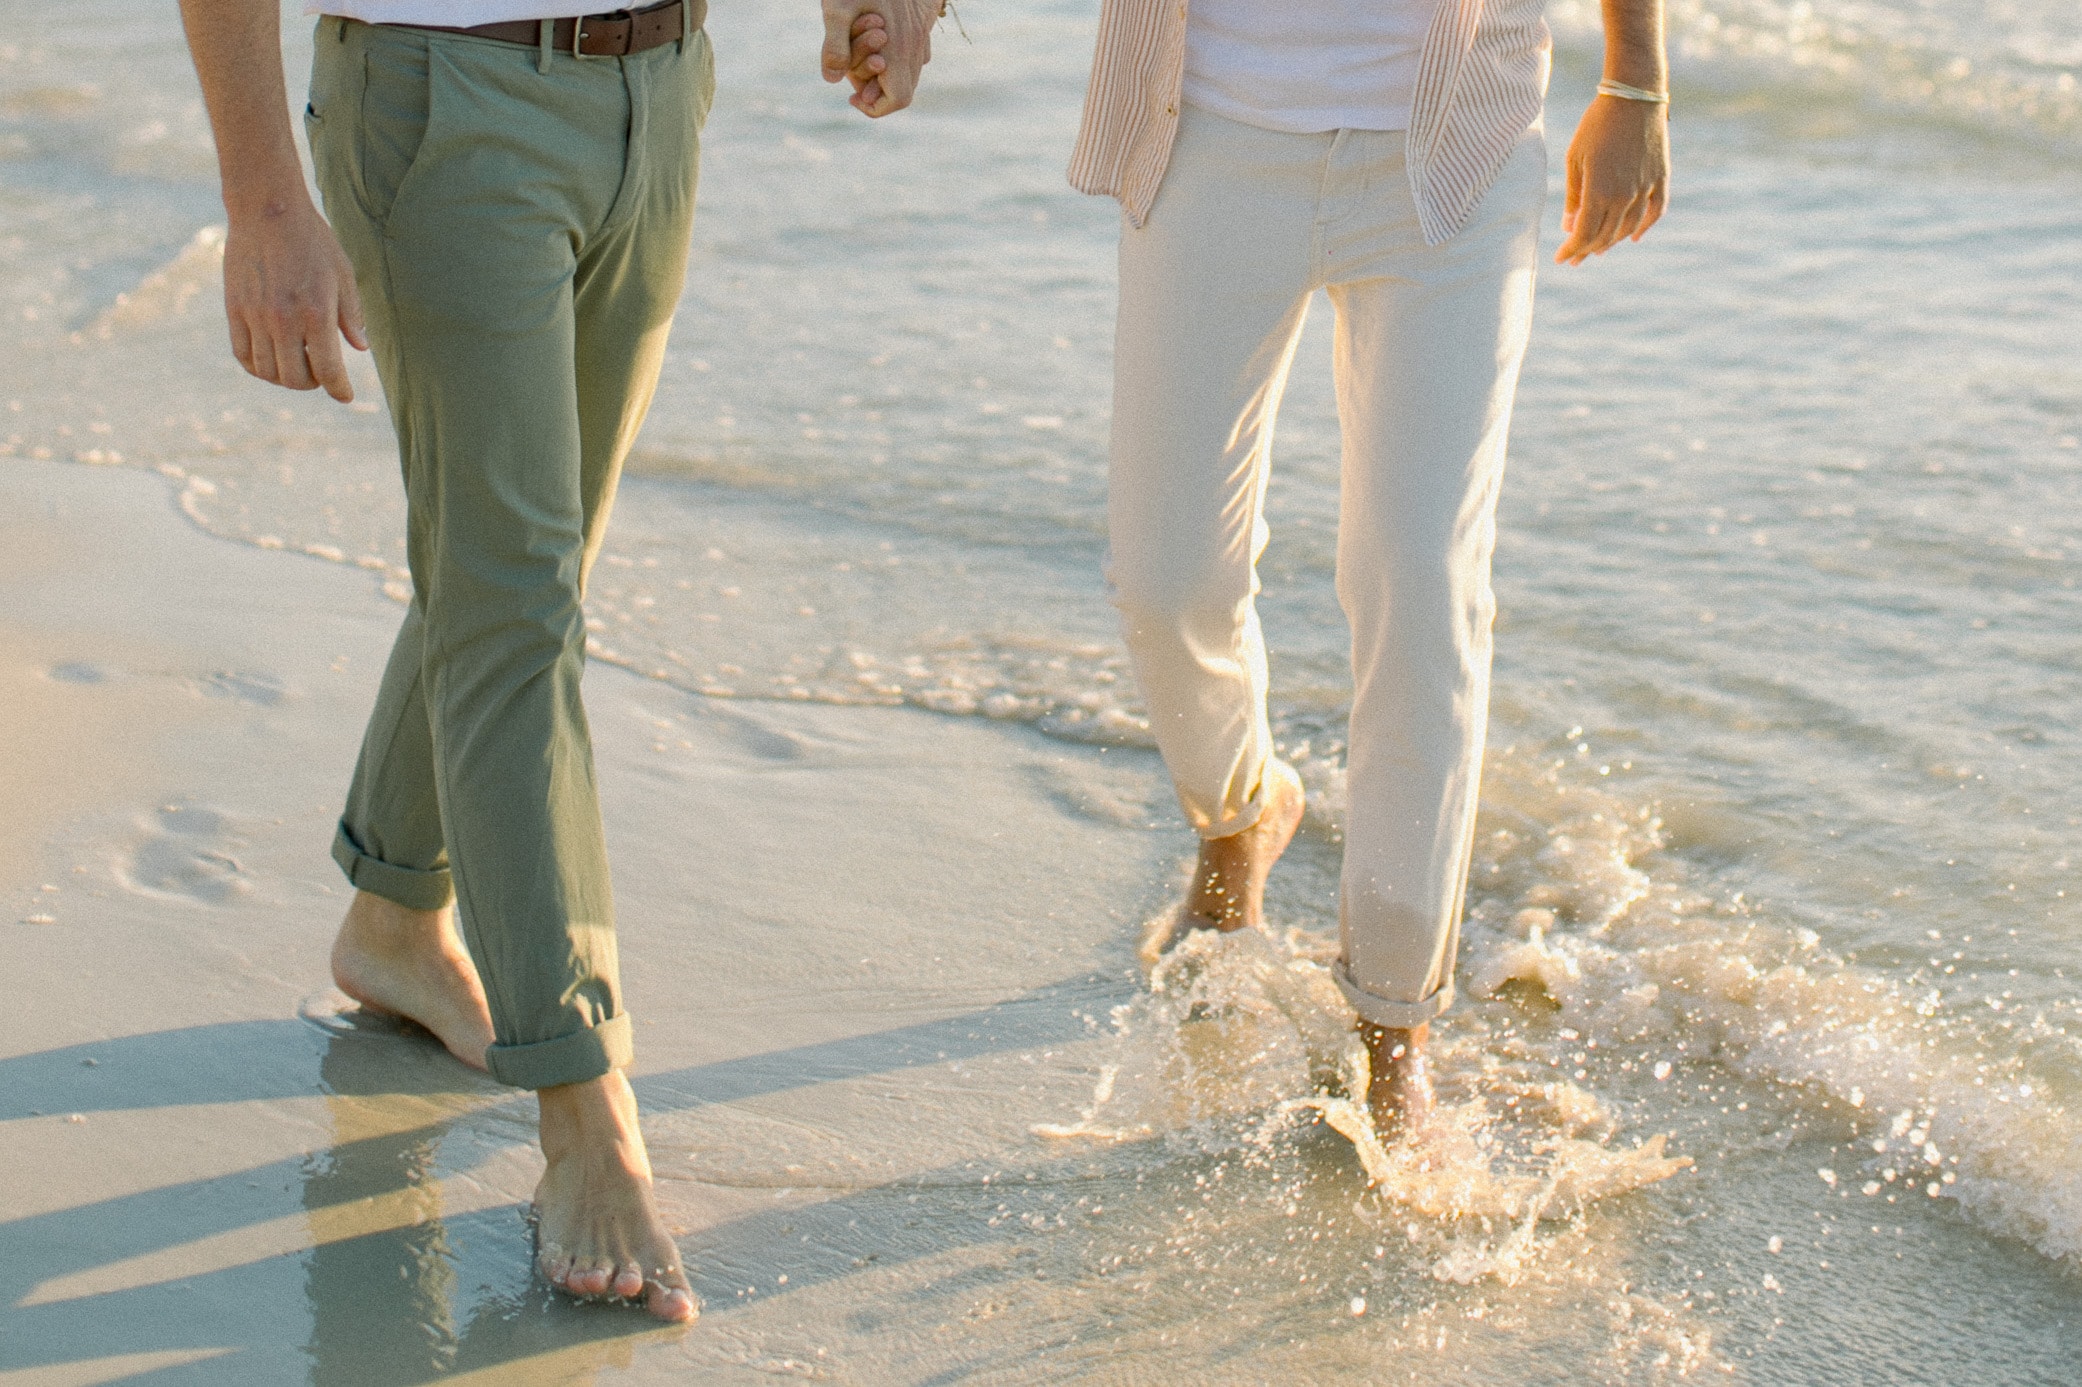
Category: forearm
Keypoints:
(1634, 51)
(237, 47)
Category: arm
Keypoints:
(288, 289)
(1619, 161)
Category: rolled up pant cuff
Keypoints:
(1392, 1016)
(569, 1059)
(412, 888)
(1246, 817)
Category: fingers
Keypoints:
(293, 362)
(289, 296)
(327, 367)
(1595, 224)
(1618, 178)
(1592, 219)
(241, 339)
(261, 354)
(1637, 219)
(1658, 199)
(869, 37)
(909, 49)
(839, 16)
(352, 325)
(283, 340)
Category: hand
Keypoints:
(906, 48)
(870, 36)
(1618, 176)
(289, 296)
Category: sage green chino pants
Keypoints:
(518, 223)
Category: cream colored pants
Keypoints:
(1213, 290)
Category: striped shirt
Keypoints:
(1480, 84)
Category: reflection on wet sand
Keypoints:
(418, 1268)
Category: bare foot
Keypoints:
(599, 1231)
(411, 963)
(1399, 1091)
(1229, 885)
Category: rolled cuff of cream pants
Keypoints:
(518, 222)
(1213, 290)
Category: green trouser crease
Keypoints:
(519, 236)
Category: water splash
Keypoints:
(1246, 1026)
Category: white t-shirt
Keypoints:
(1304, 66)
(454, 14)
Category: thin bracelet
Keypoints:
(1608, 87)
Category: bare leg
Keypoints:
(412, 963)
(1229, 886)
(1399, 1094)
(599, 1227)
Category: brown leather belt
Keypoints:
(596, 35)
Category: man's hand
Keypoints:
(289, 296)
(288, 290)
(904, 48)
(1618, 176)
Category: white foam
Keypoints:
(1245, 1026)
(1636, 961)
(1578, 904)
(169, 290)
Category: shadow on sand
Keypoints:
(396, 1291)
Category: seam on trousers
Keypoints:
(390, 739)
(430, 649)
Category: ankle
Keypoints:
(378, 923)
(597, 1115)
(1392, 1049)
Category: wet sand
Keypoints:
(215, 1176)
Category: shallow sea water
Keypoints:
(1768, 1058)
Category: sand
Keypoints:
(867, 948)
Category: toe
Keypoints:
(628, 1280)
(668, 1296)
(589, 1279)
(555, 1263)
(672, 1303)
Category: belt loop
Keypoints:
(546, 39)
(341, 31)
(686, 24)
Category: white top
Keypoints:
(454, 14)
(1304, 66)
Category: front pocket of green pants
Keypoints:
(396, 104)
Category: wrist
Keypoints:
(1641, 65)
(1625, 94)
(257, 203)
